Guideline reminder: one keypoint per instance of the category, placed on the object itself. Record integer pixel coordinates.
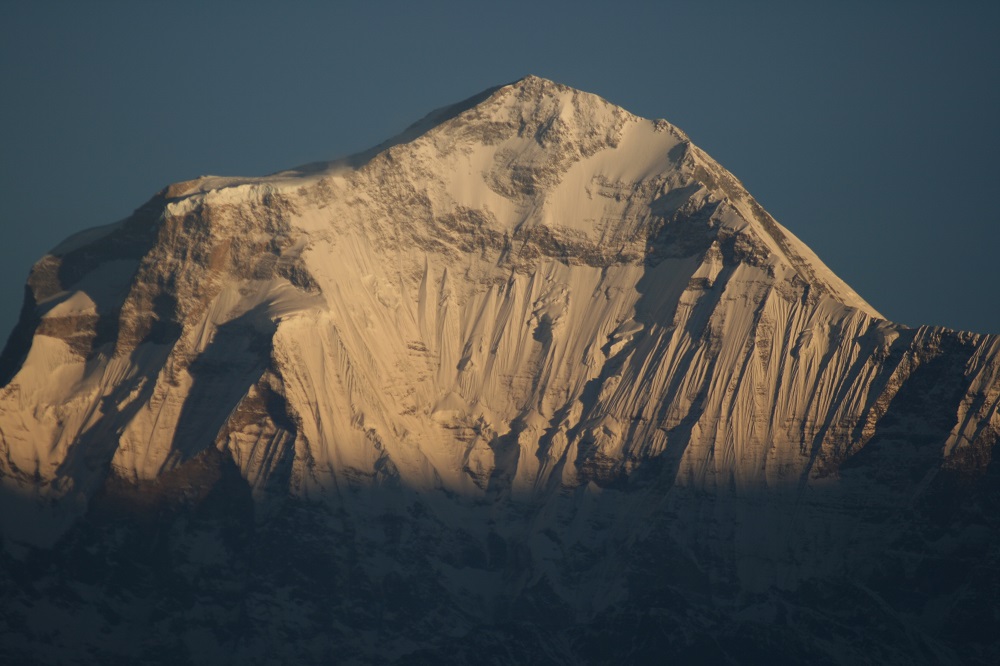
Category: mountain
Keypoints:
(536, 381)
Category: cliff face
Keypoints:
(535, 375)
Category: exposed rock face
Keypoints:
(538, 381)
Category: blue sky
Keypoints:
(868, 129)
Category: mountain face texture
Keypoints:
(535, 382)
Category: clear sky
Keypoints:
(868, 129)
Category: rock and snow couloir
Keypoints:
(536, 353)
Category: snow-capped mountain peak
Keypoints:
(531, 328)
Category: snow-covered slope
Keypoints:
(535, 355)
